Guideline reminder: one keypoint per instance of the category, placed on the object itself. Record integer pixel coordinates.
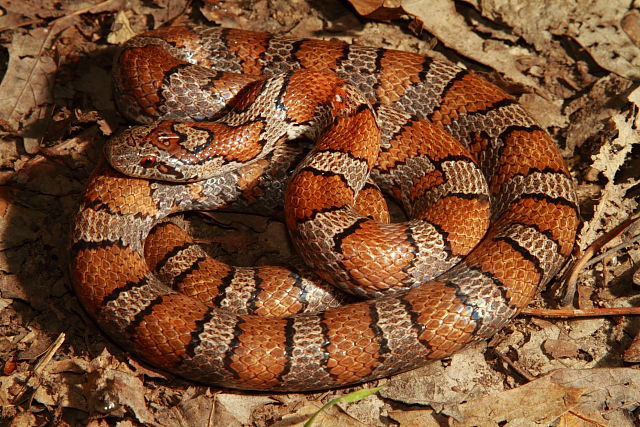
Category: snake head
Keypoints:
(163, 151)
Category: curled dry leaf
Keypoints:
(121, 30)
(614, 205)
(442, 385)
(631, 25)
(113, 389)
(383, 10)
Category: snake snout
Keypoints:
(128, 152)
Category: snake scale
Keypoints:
(491, 208)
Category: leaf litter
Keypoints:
(574, 67)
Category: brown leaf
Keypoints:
(383, 10)
(631, 25)
(121, 30)
(237, 408)
(442, 386)
(441, 19)
(332, 416)
(26, 86)
(113, 388)
(560, 348)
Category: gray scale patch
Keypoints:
(316, 294)
(180, 262)
(211, 352)
(355, 171)
(391, 120)
(464, 177)
(539, 246)
(404, 174)
(122, 310)
(100, 226)
(322, 119)
(460, 178)
(551, 184)
(433, 258)
(240, 290)
(263, 106)
(422, 98)
(217, 192)
(317, 241)
(493, 122)
(185, 99)
(217, 49)
(307, 363)
(482, 297)
(400, 338)
(359, 69)
(278, 57)
(383, 180)
(414, 167)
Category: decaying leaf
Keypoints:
(442, 386)
(113, 388)
(440, 18)
(614, 205)
(26, 87)
(548, 399)
(121, 30)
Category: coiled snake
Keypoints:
(491, 207)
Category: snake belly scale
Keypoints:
(498, 238)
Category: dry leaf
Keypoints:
(595, 25)
(616, 391)
(614, 206)
(121, 30)
(383, 10)
(239, 407)
(560, 348)
(113, 388)
(332, 416)
(440, 18)
(26, 86)
(422, 418)
(465, 376)
(600, 34)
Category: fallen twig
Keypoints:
(582, 312)
(588, 255)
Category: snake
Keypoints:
(491, 211)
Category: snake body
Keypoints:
(456, 271)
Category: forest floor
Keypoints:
(573, 65)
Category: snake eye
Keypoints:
(148, 161)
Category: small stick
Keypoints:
(515, 366)
(584, 312)
(590, 252)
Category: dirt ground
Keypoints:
(573, 65)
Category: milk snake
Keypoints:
(439, 280)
